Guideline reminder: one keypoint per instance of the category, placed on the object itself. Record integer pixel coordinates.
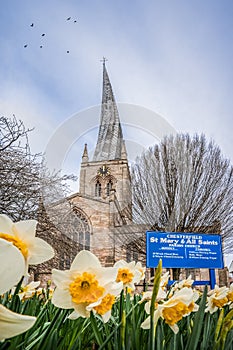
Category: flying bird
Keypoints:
(68, 18)
(43, 34)
(67, 51)
(41, 46)
(32, 24)
(25, 45)
(75, 21)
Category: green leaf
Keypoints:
(96, 331)
(157, 279)
(197, 324)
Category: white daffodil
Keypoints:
(162, 292)
(164, 280)
(27, 291)
(103, 307)
(12, 324)
(22, 235)
(141, 269)
(230, 296)
(48, 293)
(128, 273)
(182, 284)
(217, 298)
(181, 304)
(12, 265)
(85, 286)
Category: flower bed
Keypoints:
(94, 307)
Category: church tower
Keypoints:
(105, 185)
(107, 177)
(97, 217)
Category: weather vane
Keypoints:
(104, 59)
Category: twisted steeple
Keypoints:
(110, 139)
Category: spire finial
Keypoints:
(104, 59)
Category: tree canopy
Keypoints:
(184, 184)
(25, 180)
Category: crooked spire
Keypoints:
(110, 139)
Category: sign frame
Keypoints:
(184, 250)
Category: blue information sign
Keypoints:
(184, 250)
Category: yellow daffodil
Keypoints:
(27, 291)
(217, 298)
(128, 273)
(22, 235)
(86, 286)
(12, 265)
(181, 304)
(12, 324)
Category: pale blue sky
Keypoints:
(173, 57)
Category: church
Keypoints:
(98, 216)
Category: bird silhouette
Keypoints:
(68, 18)
(41, 46)
(32, 24)
(43, 34)
(75, 21)
(25, 45)
(67, 51)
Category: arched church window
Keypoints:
(98, 189)
(78, 229)
(131, 254)
(109, 187)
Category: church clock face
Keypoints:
(104, 171)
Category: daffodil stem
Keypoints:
(117, 327)
(152, 307)
(95, 329)
(227, 325)
(122, 332)
(122, 319)
(219, 324)
(15, 297)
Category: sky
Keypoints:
(171, 57)
(169, 60)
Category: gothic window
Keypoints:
(128, 254)
(81, 240)
(84, 240)
(131, 254)
(109, 187)
(78, 229)
(135, 256)
(98, 189)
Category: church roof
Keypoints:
(110, 138)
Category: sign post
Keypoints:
(185, 250)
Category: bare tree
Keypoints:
(12, 133)
(183, 185)
(25, 183)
